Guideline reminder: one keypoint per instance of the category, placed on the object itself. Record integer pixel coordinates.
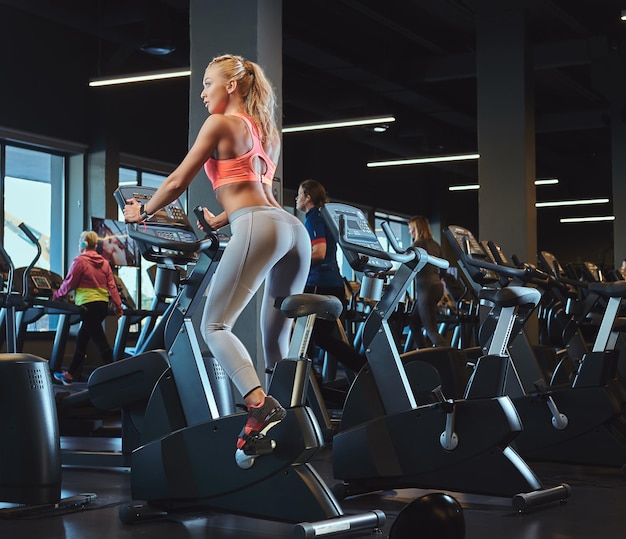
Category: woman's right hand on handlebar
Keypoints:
(209, 218)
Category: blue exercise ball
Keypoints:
(433, 516)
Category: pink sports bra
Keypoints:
(241, 168)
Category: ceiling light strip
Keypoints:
(338, 123)
(140, 77)
(474, 186)
(421, 160)
(587, 219)
(555, 203)
(469, 187)
(547, 181)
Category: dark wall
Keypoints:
(45, 70)
(44, 87)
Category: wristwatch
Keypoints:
(143, 213)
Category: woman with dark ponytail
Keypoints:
(324, 276)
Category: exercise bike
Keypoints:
(386, 439)
(577, 422)
(185, 460)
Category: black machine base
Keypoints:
(405, 451)
(161, 472)
(595, 431)
(64, 505)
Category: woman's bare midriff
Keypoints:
(234, 196)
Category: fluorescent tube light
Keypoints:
(571, 202)
(549, 181)
(469, 187)
(587, 219)
(140, 77)
(420, 160)
(338, 123)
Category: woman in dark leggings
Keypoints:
(428, 287)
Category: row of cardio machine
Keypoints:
(95, 434)
(568, 392)
(37, 286)
(402, 424)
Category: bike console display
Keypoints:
(169, 224)
(471, 254)
(352, 223)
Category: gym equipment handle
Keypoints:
(410, 254)
(435, 261)
(200, 215)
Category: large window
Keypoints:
(32, 187)
(32, 193)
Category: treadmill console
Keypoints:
(42, 283)
(357, 231)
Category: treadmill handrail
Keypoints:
(30, 266)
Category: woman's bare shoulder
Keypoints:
(217, 125)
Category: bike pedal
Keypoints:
(259, 446)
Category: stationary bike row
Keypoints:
(387, 438)
(575, 310)
(577, 422)
(185, 456)
(580, 364)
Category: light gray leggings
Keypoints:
(267, 243)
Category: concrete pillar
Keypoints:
(252, 29)
(506, 129)
(609, 79)
(506, 132)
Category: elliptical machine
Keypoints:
(185, 460)
(386, 440)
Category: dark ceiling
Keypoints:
(415, 59)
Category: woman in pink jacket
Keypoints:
(91, 278)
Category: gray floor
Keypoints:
(595, 509)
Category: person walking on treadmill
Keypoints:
(238, 145)
(91, 277)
